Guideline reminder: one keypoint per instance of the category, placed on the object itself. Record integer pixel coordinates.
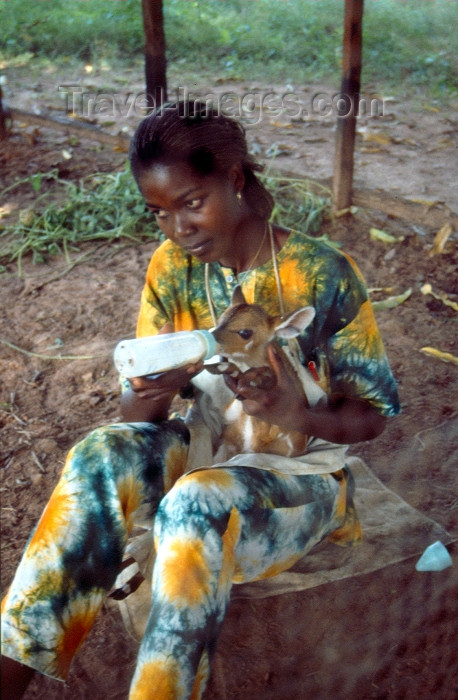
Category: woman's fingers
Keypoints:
(167, 328)
(166, 383)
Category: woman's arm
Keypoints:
(135, 409)
(149, 399)
(343, 420)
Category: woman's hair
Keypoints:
(196, 134)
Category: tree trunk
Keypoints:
(348, 104)
(2, 119)
(155, 60)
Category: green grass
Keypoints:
(297, 204)
(290, 40)
(108, 207)
(100, 207)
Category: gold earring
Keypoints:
(239, 198)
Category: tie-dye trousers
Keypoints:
(213, 528)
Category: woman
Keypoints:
(228, 524)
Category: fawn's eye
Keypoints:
(245, 333)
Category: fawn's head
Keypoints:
(244, 330)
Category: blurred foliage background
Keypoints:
(407, 43)
(409, 48)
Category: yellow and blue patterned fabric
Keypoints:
(312, 272)
(212, 528)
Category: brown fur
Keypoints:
(244, 332)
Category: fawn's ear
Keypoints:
(295, 323)
(237, 296)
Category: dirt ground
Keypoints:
(48, 404)
(405, 144)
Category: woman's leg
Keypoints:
(75, 552)
(216, 527)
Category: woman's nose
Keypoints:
(182, 225)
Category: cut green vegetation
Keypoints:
(407, 43)
(108, 207)
(99, 207)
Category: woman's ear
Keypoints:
(237, 176)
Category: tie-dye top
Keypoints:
(312, 273)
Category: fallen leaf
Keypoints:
(379, 235)
(391, 302)
(427, 289)
(445, 143)
(284, 125)
(408, 141)
(440, 239)
(348, 210)
(376, 137)
(444, 356)
(427, 202)
(371, 149)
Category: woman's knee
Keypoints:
(122, 444)
(199, 500)
(105, 438)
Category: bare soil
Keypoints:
(48, 404)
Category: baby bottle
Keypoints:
(139, 357)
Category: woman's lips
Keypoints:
(199, 248)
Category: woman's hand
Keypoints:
(343, 420)
(281, 403)
(149, 398)
(159, 386)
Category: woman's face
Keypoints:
(199, 213)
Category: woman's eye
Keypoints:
(194, 203)
(245, 333)
(159, 213)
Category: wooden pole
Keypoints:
(347, 106)
(2, 118)
(155, 60)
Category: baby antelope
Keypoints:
(244, 331)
